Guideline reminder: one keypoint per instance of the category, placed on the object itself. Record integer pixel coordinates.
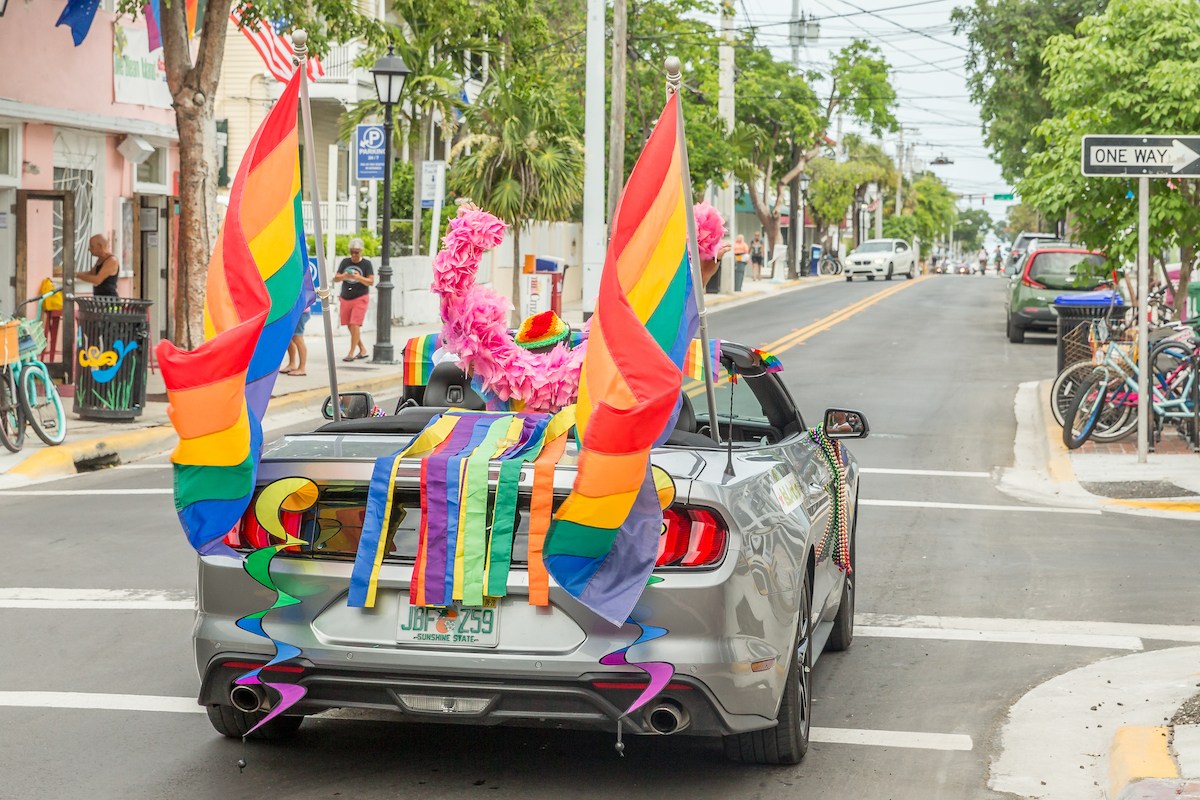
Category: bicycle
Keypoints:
(829, 265)
(29, 395)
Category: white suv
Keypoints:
(882, 257)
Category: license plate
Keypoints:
(452, 626)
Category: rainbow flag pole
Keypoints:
(300, 47)
(674, 77)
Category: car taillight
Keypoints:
(249, 535)
(692, 537)
(1030, 282)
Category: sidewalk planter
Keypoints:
(1074, 310)
(111, 358)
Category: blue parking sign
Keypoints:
(369, 141)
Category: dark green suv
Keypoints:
(1044, 274)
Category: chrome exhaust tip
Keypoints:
(666, 718)
(248, 699)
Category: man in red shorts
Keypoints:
(356, 276)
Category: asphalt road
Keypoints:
(930, 367)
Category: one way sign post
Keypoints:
(1142, 157)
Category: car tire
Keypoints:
(912, 272)
(1016, 334)
(870, 277)
(889, 274)
(842, 635)
(787, 741)
(849, 278)
(234, 724)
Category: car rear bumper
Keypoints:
(1036, 318)
(594, 701)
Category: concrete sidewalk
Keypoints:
(1103, 476)
(90, 444)
(1160, 762)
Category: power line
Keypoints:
(879, 16)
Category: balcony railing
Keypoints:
(343, 221)
(339, 64)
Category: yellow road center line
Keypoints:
(801, 335)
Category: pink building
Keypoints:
(90, 125)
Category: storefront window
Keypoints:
(152, 171)
(6, 151)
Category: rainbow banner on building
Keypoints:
(258, 284)
(603, 543)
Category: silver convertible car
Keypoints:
(747, 602)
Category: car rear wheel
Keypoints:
(1016, 334)
(234, 724)
(787, 742)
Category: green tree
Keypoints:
(834, 188)
(1021, 217)
(1133, 69)
(1006, 74)
(784, 124)
(972, 227)
(193, 70)
(522, 159)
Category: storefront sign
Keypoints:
(139, 76)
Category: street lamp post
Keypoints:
(798, 229)
(389, 73)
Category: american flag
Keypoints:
(275, 47)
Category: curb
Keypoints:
(132, 445)
(1141, 754)
(1058, 458)
(735, 300)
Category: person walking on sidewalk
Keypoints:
(356, 275)
(297, 350)
(756, 257)
(103, 276)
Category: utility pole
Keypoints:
(593, 154)
(797, 33)
(728, 196)
(900, 174)
(616, 123)
(795, 204)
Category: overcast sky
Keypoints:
(917, 39)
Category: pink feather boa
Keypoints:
(475, 318)
(710, 227)
(476, 323)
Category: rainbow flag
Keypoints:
(192, 9)
(152, 11)
(693, 364)
(258, 284)
(603, 542)
(417, 357)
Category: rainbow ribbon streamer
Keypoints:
(457, 560)
(287, 494)
(603, 543)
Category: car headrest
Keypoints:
(448, 386)
(687, 416)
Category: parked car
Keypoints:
(1022, 244)
(1046, 272)
(881, 258)
(748, 604)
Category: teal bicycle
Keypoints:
(28, 395)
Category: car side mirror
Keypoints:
(845, 423)
(355, 405)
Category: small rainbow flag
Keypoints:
(258, 284)
(417, 357)
(152, 11)
(603, 543)
(693, 365)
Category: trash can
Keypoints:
(112, 336)
(1077, 310)
(814, 260)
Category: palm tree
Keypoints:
(522, 158)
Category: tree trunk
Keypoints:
(1187, 255)
(417, 146)
(515, 317)
(193, 89)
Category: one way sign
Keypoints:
(1141, 156)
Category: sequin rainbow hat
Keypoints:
(542, 330)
